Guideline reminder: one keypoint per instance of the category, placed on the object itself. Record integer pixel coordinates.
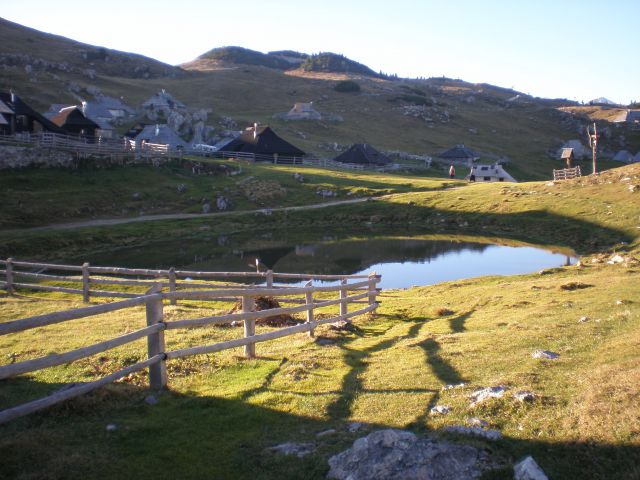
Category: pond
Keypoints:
(402, 261)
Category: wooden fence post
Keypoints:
(249, 326)
(269, 278)
(155, 341)
(309, 302)
(9, 276)
(343, 296)
(172, 285)
(372, 290)
(85, 282)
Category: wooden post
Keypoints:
(269, 278)
(343, 296)
(85, 282)
(172, 284)
(309, 301)
(9, 276)
(155, 341)
(372, 289)
(249, 326)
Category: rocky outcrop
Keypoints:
(397, 454)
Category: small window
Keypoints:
(484, 168)
(500, 179)
(487, 179)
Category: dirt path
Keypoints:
(177, 216)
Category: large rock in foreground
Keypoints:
(396, 454)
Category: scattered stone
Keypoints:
(353, 427)
(524, 396)
(151, 400)
(298, 177)
(622, 302)
(474, 432)
(477, 422)
(440, 410)
(181, 188)
(452, 386)
(223, 203)
(206, 208)
(583, 319)
(528, 469)
(574, 286)
(324, 342)
(395, 454)
(290, 448)
(112, 427)
(485, 393)
(343, 326)
(545, 354)
(235, 323)
(325, 192)
(135, 195)
(616, 259)
(326, 433)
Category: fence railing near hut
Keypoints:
(352, 290)
(567, 173)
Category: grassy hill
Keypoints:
(222, 412)
(389, 113)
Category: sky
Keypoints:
(579, 50)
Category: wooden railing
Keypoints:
(157, 355)
(567, 173)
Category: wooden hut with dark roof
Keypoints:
(363, 154)
(262, 144)
(73, 120)
(21, 118)
(459, 155)
(568, 156)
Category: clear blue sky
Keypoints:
(562, 48)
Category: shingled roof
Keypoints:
(73, 117)
(460, 153)
(363, 154)
(261, 140)
(19, 107)
(160, 134)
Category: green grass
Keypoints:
(222, 411)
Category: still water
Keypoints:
(402, 262)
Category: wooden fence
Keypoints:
(364, 288)
(567, 173)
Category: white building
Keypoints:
(489, 173)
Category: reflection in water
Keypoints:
(402, 262)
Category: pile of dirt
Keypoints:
(268, 303)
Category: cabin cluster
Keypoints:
(98, 119)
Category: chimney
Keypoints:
(84, 108)
(255, 131)
(157, 129)
(13, 96)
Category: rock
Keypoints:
(326, 433)
(206, 208)
(290, 448)
(485, 393)
(477, 422)
(440, 410)
(343, 326)
(151, 400)
(545, 354)
(396, 454)
(583, 319)
(615, 259)
(135, 195)
(525, 396)
(474, 432)
(452, 386)
(324, 342)
(353, 427)
(528, 469)
(223, 203)
(235, 323)
(298, 177)
(112, 427)
(181, 188)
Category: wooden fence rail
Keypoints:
(153, 300)
(567, 173)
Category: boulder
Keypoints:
(290, 448)
(485, 393)
(545, 354)
(396, 454)
(528, 469)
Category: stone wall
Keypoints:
(21, 157)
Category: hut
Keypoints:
(459, 155)
(21, 118)
(567, 156)
(623, 156)
(263, 144)
(4, 120)
(490, 173)
(159, 135)
(163, 100)
(363, 154)
(633, 116)
(74, 122)
(303, 111)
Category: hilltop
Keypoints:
(416, 116)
